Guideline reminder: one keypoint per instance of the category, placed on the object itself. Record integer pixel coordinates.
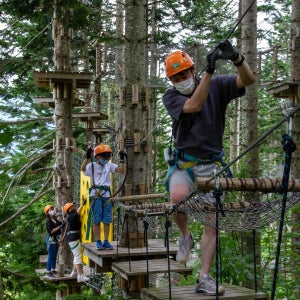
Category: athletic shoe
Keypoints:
(51, 275)
(54, 272)
(82, 278)
(107, 245)
(99, 245)
(186, 243)
(207, 286)
(73, 274)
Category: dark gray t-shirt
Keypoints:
(201, 134)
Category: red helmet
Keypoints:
(101, 149)
(47, 207)
(67, 206)
(176, 62)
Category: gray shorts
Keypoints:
(182, 177)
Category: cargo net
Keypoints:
(259, 209)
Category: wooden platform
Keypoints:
(47, 79)
(155, 266)
(188, 292)
(66, 277)
(105, 258)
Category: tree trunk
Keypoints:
(134, 113)
(250, 118)
(62, 94)
(295, 168)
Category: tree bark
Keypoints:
(62, 93)
(250, 118)
(295, 168)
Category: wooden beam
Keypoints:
(248, 184)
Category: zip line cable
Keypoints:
(9, 61)
(233, 28)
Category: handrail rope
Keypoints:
(167, 244)
(256, 143)
(146, 226)
(217, 194)
(289, 147)
(254, 259)
(126, 218)
(118, 230)
(233, 28)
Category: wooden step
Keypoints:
(188, 292)
(155, 266)
(103, 259)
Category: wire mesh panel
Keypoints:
(77, 158)
(235, 215)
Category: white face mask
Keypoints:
(104, 161)
(51, 213)
(185, 87)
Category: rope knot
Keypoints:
(288, 144)
(218, 193)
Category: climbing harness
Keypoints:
(184, 161)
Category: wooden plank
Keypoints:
(128, 269)
(93, 116)
(45, 79)
(188, 292)
(156, 249)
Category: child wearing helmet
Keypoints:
(100, 171)
(54, 227)
(73, 235)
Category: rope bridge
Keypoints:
(263, 208)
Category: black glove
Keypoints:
(84, 201)
(122, 155)
(227, 51)
(89, 152)
(212, 57)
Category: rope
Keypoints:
(217, 194)
(289, 147)
(146, 226)
(167, 226)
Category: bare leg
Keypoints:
(96, 228)
(78, 269)
(106, 231)
(208, 249)
(179, 192)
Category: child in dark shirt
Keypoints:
(73, 234)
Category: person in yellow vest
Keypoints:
(73, 236)
(100, 171)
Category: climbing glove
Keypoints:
(227, 51)
(211, 57)
(89, 152)
(122, 155)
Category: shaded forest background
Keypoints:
(27, 127)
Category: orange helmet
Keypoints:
(67, 206)
(176, 62)
(101, 149)
(47, 207)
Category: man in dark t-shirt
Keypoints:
(197, 107)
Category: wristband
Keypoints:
(240, 62)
